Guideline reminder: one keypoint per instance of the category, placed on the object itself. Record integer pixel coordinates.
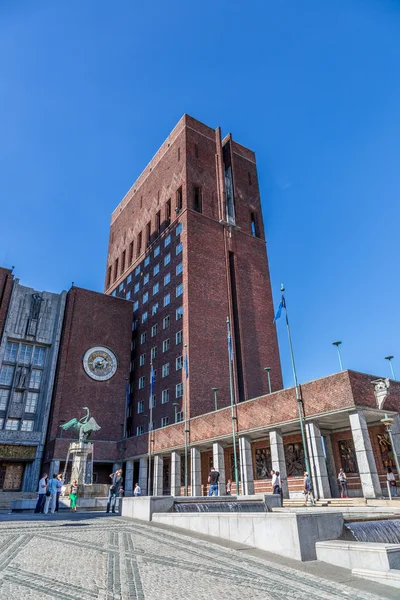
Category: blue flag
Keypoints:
(152, 380)
(230, 350)
(186, 365)
(282, 304)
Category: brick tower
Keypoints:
(187, 248)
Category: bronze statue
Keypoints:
(85, 426)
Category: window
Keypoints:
(6, 375)
(197, 199)
(253, 224)
(36, 377)
(114, 293)
(249, 177)
(196, 151)
(179, 313)
(179, 200)
(128, 295)
(179, 390)
(179, 154)
(129, 279)
(148, 233)
(155, 288)
(142, 359)
(136, 288)
(121, 287)
(31, 402)
(140, 406)
(139, 430)
(153, 352)
(179, 290)
(146, 279)
(158, 218)
(165, 322)
(179, 228)
(3, 399)
(156, 269)
(144, 316)
(178, 249)
(154, 330)
(168, 211)
(154, 309)
(178, 337)
(165, 345)
(11, 352)
(137, 270)
(156, 251)
(179, 269)
(136, 305)
(27, 425)
(167, 259)
(141, 383)
(147, 261)
(164, 396)
(179, 363)
(130, 253)
(164, 421)
(123, 258)
(143, 338)
(179, 416)
(153, 401)
(12, 424)
(165, 370)
(167, 278)
(116, 269)
(167, 299)
(108, 277)
(25, 354)
(167, 241)
(145, 297)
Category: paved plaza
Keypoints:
(93, 556)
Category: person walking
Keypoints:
(59, 489)
(392, 482)
(41, 494)
(137, 491)
(276, 483)
(342, 478)
(113, 494)
(73, 494)
(51, 498)
(229, 488)
(308, 489)
(213, 479)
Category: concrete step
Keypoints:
(391, 577)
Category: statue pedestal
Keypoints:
(82, 462)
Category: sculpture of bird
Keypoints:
(84, 426)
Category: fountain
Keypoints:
(383, 532)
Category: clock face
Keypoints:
(100, 363)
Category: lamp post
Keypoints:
(175, 405)
(389, 358)
(337, 344)
(388, 422)
(215, 390)
(268, 370)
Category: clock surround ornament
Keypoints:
(100, 363)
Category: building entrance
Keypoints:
(11, 476)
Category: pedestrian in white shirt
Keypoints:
(137, 491)
(52, 498)
(41, 493)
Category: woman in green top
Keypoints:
(73, 494)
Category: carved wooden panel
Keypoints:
(13, 476)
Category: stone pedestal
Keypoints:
(158, 476)
(175, 474)
(331, 467)
(278, 458)
(82, 462)
(319, 472)
(128, 483)
(143, 466)
(365, 458)
(246, 466)
(219, 465)
(195, 472)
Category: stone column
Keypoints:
(331, 467)
(128, 483)
(158, 476)
(219, 465)
(278, 458)
(246, 466)
(195, 471)
(319, 471)
(365, 458)
(143, 465)
(175, 474)
(396, 437)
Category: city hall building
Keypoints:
(149, 357)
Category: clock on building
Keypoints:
(100, 363)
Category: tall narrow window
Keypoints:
(158, 222)
(141, 201)
(197, 198)
(249, 176)
(196, 151)
(116, 269)
(179, 154)
(123, 261)
(108, 276)
(179, 200)
(130, 255)
(148, 233)
(139, 245)
(253, 223)
(168, 212)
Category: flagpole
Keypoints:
(186, 425)
(300, 402)
(234, 418)
(150, 428)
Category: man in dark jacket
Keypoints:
(113, 494)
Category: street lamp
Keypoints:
(175, 405)
(337, 344)
(389, 358)
(268, 370)
(388, 422)
(215, 390)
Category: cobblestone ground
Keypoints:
(112, 558)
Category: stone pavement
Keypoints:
(97, 556)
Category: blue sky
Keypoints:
(91, 89)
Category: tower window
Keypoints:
(179, 200)
(148, 233)
(249, 176)
(139, 245)
(158, 222)
(130, 255)
(197, 199)
(253, 223)
(109, 277)
(123, 261)
(168, 212)
(179, 154)
(116, 269)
